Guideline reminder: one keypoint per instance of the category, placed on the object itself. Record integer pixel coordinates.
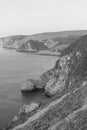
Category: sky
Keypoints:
(37, 16)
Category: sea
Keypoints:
(15, 69)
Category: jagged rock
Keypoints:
(58, 83)
(39, 83)
(49, 89)
(53, 87)
(27, 86)
(29, 108)
(32, 84)
(47, 80)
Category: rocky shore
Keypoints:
(66, 87)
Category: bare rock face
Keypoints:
(52, 81)
(32, 84)
(29, 108)
(57, 84)
(53, 87)
(40, 83)
(49, 89)
(27, 86)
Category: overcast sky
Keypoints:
(35, 16)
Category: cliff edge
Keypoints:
(67, 88)
(44, 43)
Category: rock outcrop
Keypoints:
(67, 108)
(58, 83)
(28, 108)
(28, 85)
(40, 83)
(51, 81)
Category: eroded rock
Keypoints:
(28, 108)
(57, 83)
(27, 86)
(40, 82)
(53, 87)
(49, 89)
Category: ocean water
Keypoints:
(15, 68)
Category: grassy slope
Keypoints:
(55, 40)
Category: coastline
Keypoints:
(65, 88)
(12, 60)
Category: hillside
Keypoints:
(44, 43)
(66, 86)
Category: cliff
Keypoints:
(66, 84)
(43, 43)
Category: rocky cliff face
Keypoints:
(32, 45)
(66, 83)
(44, 43)
(12, 42)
